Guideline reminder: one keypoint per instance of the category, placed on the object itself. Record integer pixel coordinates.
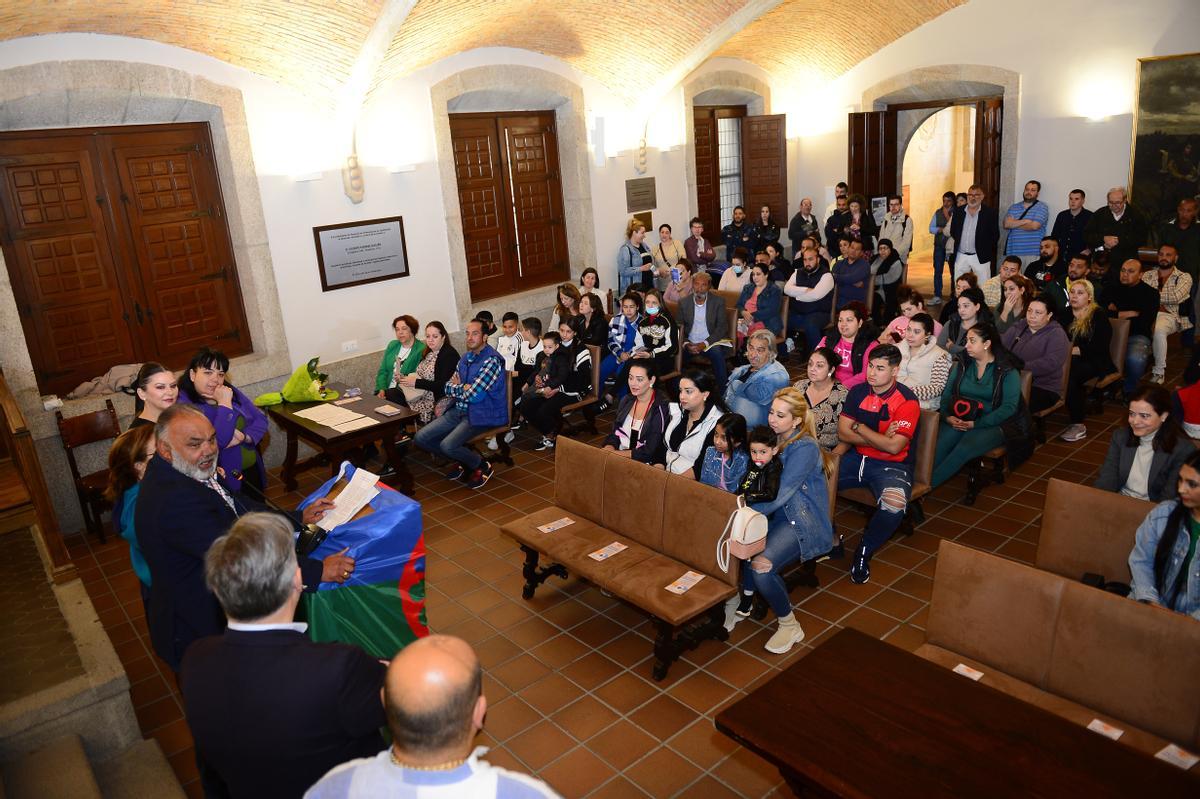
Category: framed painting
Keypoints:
(1166, 134)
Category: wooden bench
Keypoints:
(1087, 530)
(1067, 648)
(669, 524)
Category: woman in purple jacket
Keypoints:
(1043, 346)
(239, 425)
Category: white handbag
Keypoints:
(745, 535)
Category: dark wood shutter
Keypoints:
(764, 166)
(184, 260)
(117, 248)
(989, 123)
(70, 296)
(708, 201)
(871, 154)
(510, 199)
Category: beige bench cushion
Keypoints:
(632, 497)
(994, 610)
(1088, 530)
(583, 467)
(694, 519)
(646, 585)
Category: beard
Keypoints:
(193, 470)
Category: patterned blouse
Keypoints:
(826, 413)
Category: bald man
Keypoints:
(433, 694)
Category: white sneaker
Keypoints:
(790, 344)
(934, 300)
(1075, 432)
(492, 445)
(1158, 378)
(509, 437)
(788, 635)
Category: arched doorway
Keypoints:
(940, 157)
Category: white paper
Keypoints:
(346, 400)
(328, 415)
(607, 552)
(685, 582)
(557, 524)
(1105, 729)
(1177, 757)
(358, 492)
(355, 424)
(968, 672)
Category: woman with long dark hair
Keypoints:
(239, 425)
(154, 390)
(690, 431)
(1145, 456)
(1163, 562)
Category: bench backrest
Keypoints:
(1135, 662)
(1086, 530)
(926, 447)
(594, 351)
(633, 499)
(695, 517)
(581, 495)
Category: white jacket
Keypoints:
(691, 449)
(900, 232)
(925, 373)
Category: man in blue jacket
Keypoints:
(480, 393)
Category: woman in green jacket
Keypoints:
(400, 358)
(982, 393)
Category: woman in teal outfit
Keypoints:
(982, 393)
(126, 466)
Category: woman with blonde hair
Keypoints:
(635, 263)
(799, 527)
(567, 307)
(1090, 334)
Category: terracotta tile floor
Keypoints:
(568, 673)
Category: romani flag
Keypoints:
(381, 608)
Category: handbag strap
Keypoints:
(726, 534)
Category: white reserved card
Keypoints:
(968, 672)
(557, 524)
(1177, 757)
(1105, 729)
(685, 582)
(607, 552)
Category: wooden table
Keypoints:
(857, 717)
(335, 446)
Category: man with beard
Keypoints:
(1052, 264)
(976, 232)
(1070, 224)
(1174, 291)
(738, 234)
(1026, 222)
(183, 506)
(1135, 300)
(1056, 290)
(803, 224)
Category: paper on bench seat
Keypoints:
(1177, 756)
(685, 582)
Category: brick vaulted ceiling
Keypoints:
(312, 45)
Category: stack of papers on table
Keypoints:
(338, 418)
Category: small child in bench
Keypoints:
(726, 461)
(760, 484)
(554, 366)
(527, 354)
(508, 343)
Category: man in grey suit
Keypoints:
(702, 331)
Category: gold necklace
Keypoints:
(449, 765)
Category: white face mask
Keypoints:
(651, 310)
(737, 270)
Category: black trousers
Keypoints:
(1081, 371)
(544, 413)
(1040, 399)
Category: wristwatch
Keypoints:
(854, 427)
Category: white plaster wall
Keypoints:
(1074, 57)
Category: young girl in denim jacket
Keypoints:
(726, 461)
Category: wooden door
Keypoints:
(531, 159)
(68, 290)
(871, 154)
(764, 166)
(989, 123)
(481, 200)
(708, 200)
(176, 236)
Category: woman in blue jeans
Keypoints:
(799, 526)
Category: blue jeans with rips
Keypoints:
(1137, 357)
(448, 435)
(878, 476)
(783, 549)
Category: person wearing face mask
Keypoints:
(825, 396)
(852, 339)
(736, 276)
(924, 366)
(811, 290)
(752, 386)
(690, 430)
(659, 334)
(1042, 345)
(239, 424)
(1145, 456)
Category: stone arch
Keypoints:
(516, 88)
(948, 81)
(720, 87)
(65, 94)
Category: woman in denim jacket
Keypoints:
(799, 527)
(1165, 569)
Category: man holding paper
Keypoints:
(706, 326)
(183, 506)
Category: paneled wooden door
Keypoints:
(871, 154)
(989, 122)
(116, 244)
(764, 166)
(510, 199)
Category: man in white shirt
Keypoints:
(840, 192)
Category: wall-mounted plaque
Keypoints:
(640, 195)
(355, 253)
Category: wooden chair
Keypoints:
(1039, 418)
(870, 299)
(504, 453)
(78, 431)
(997, 456)
(608, 301)
(587, 405)
(1118, 346)
(926, 444)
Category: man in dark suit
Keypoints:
(975, 229)
(270, 710)
(702, 331)
(182, 507)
